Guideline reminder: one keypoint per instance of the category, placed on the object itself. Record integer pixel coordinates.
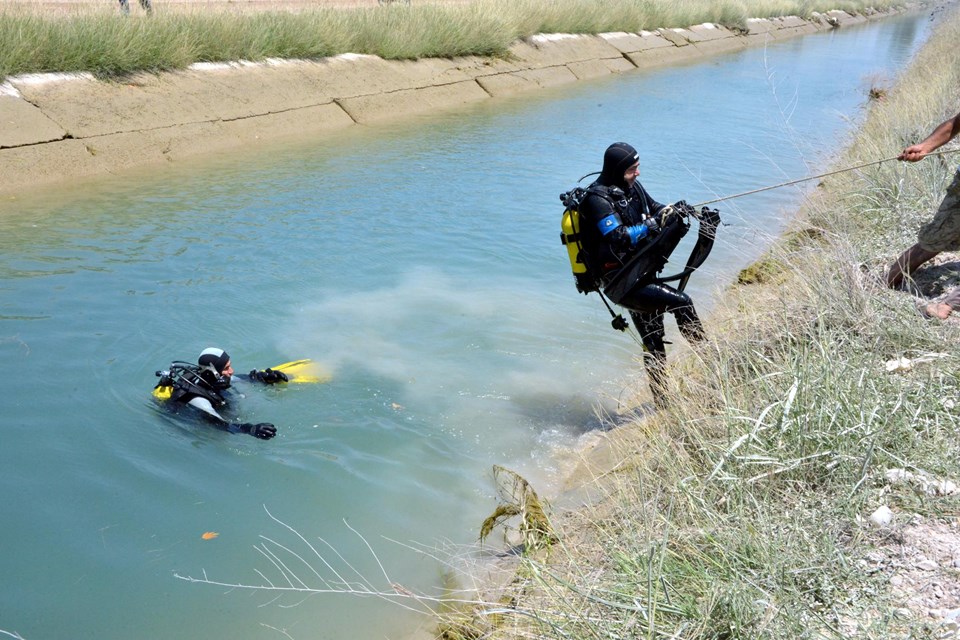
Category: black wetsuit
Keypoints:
(607, 253)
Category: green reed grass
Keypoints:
(112, 44)
(738, 513)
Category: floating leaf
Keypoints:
(209, 535)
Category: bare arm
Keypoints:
(943, 134)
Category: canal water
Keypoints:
(419, 264)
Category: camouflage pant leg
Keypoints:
(943, 232)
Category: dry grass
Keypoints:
(100, 40)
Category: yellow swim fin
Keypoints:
(304, 371)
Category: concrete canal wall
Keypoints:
(61, 127)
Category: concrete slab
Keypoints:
(757, 39)
(387, 106)
(241, 92)
(22, 123)
(791, 32)
(623, 42)
(619, 65)
(173, 144)
(43, 164)
(757, 26)
(291, 124)
(141, 102)
(476, 67)
(660, 57)
(707, 32)
(676, 36)
(589, 69)
(506, 84)
(354, 75)
(161, 145)
(710, 47)
(791, 21)
(549, 77)
(653, 40)
(554, 49)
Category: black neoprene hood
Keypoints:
(213, 357)
(618, 157)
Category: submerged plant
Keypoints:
(519, 499)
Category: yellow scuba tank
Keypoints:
(162, 392)
(164, 388)
(570, 237)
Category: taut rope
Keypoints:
(822, 175)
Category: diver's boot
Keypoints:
(650, 326)
(689, 324)
(656, 362)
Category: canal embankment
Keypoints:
(60, 127)
(802, 482)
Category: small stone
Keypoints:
(875, 557)
(882, 517)
(896, 581)
(952, 614)
(927, 565)
(903, 612)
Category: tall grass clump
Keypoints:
(110, 44)
(742, 511)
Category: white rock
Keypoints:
(946, 488)
(898, 364)
(882, 516)
(897, 475)
(927, 565)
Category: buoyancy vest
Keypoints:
(642, 265)
(592, 261)
(185, 381)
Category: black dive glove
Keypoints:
(684, 208)
(269, 376)
(263, 430)
(653, 225)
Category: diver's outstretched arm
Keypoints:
(262, 430)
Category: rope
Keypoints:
(822, 175)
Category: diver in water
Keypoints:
(205, 387)
(619, 220)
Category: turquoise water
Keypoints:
(420, 264)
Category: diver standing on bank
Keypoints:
(622, 239)
(205, 388)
